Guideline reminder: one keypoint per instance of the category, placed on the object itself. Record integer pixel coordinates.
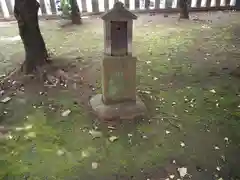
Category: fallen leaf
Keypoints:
(66, 113)
(94, 165)
(182, 144)
(167, 132)
(223, 158)
(95, 134)
(147, 92)
(9, 136)
(113, 138)
(130, 135)
(85, 154)
(226, 139)
(6, 99)
(212, 91)
(60, 152)
(19, 128)
(111, 127)
(218, 168)
(182, 171)
(172, 176)
(27, 127)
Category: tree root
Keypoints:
(54, 75)
(48, 74)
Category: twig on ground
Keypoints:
(169, 119)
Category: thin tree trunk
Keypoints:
(184, 14)
(75, 13)
(26, 13)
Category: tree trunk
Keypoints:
(184, 14)
(75, 13)
(26, 13)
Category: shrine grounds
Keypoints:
(188, 76)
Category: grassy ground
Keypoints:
(187, 76)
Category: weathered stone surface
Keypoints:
(127, 110)
(118, 79)
(118, 24)
(118, 38)
(118, 99)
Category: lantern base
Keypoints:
(128, 110)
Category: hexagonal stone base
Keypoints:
(120, 111)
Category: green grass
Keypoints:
(179, 67)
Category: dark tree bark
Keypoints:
(75, 13)
(183, 5)
(26, 13)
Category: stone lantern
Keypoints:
(118, 98)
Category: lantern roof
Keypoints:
(118, 13)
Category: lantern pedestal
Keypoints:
(119, 100)
(127, 110)
(118, 79)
